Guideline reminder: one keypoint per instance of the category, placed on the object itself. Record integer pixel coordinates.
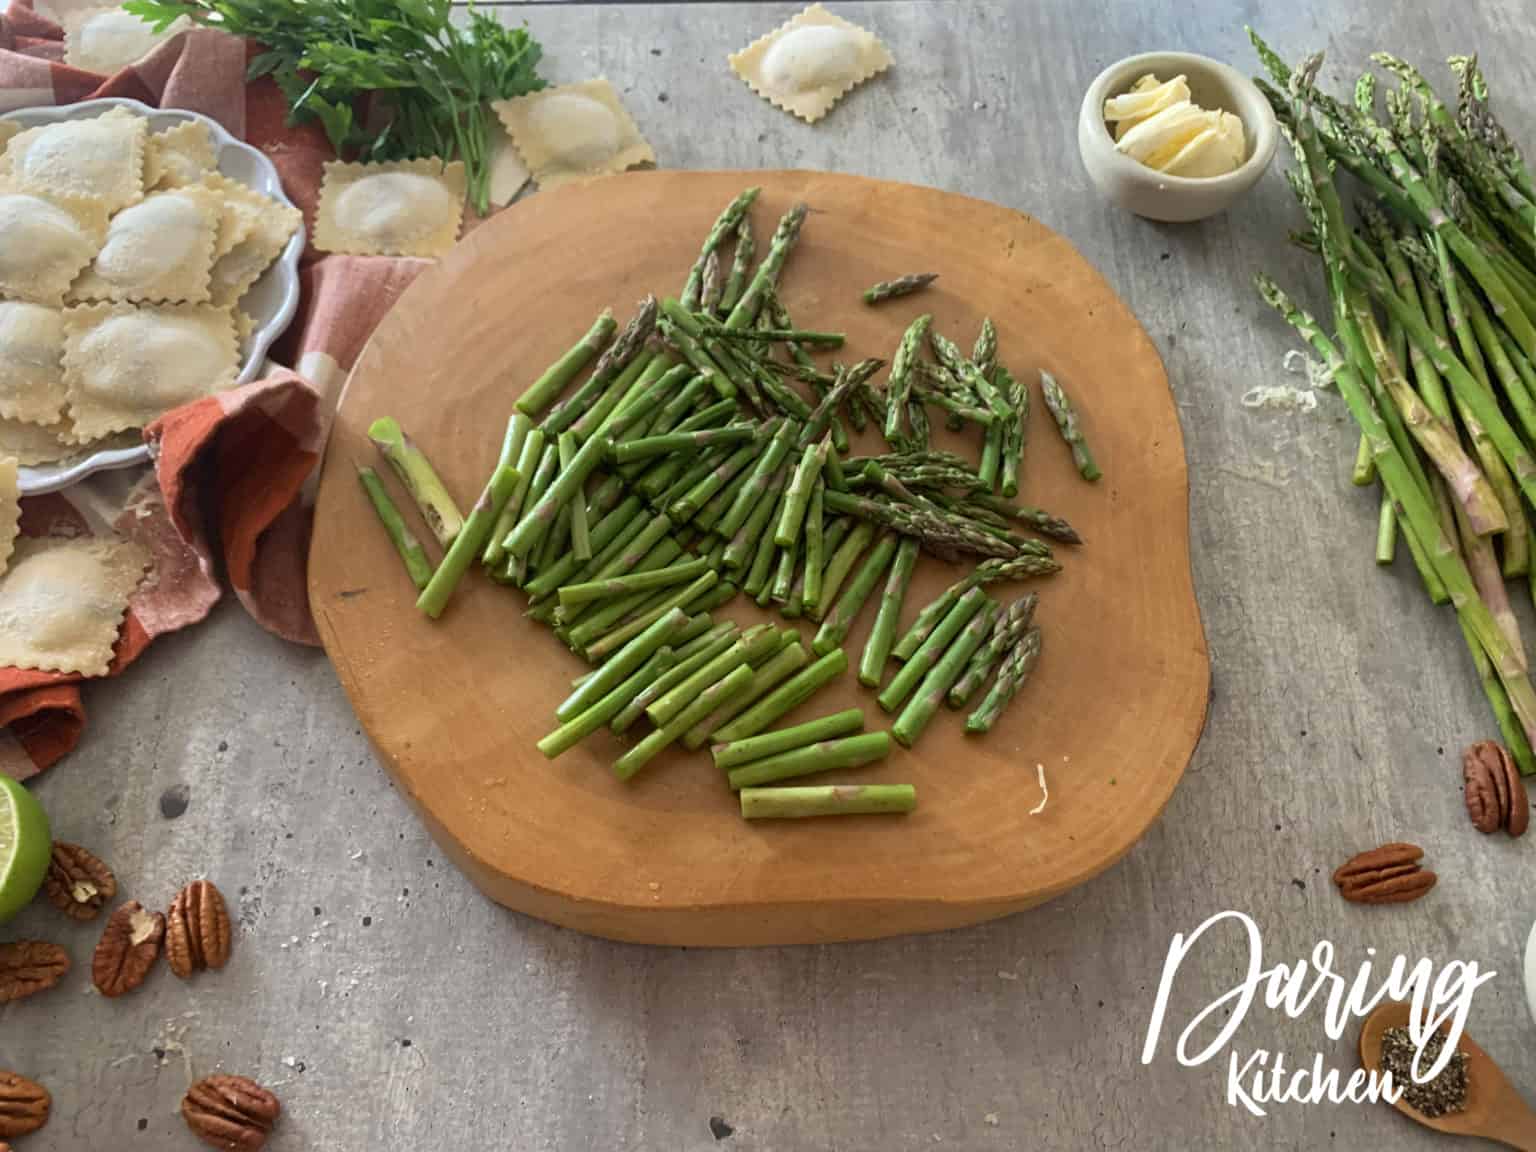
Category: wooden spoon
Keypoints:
(1494, 1111)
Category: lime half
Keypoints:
(25, 844)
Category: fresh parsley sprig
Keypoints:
(435, 77)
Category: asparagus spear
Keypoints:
(797, 496)
(519, 428)
(686, 506)
(631, 343)
(847, 381)
(625, 661)
(898, 385)
(420, 479)
(877, 649)
(417, 566)
(1015, 670)
(536, 521)
(724, 225)
(753, 748)
(767, 274)
(785, 663)
(753, 645)
(651, 446)
(692, 598)
(583, 624)
(466, 545)
(824, 756)
(741, 264)
(579, 727)
(1009, 626)
(581, 540)
(931, 649)
(828, 800)
(984, 354)
(701, 706)
(832, 537)
(1015, 430)
(636, 582)
(901, 286)
(834, 628)
(648, 365)
(941, 532)
(941, 677)
(991, 464)
(714, 284)
(756, 583)
(743, 543)
(786, 697)
(611, 535)
(1065, 415)
(557, 377)
(1037, 519)
(760, 478)
(715, 642)
(838, 567)
(814, 559)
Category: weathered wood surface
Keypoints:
(393, 1007)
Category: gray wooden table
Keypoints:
(392, 1007)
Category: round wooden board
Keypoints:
(1113, 711)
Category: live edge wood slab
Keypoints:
(454, 707)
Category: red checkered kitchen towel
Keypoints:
(231, 471)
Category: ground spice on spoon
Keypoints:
(1447, 1092)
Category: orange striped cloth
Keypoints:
(232, 480)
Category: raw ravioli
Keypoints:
(46, 243)
(182, 154)
(101, 158)
(10, 509)
(31, 362)
(574, 132)
(108, 39)
(807, 65)
(402, 208)
(62, 602)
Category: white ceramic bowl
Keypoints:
(1146, 192)
(270, 303)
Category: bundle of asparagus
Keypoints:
(1433, 306)
(687, 464)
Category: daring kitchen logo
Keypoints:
(1262, 1077)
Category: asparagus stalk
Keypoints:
(726, 223)
(686, 506)
(687, 599)
(467, 544)
(984, 353)
(1386, 531)
(710, 646)
(744, 542)
(901, 286)
(652, 446)
(785, 698)
(1037, 519)
(625, 661)
(756, 583)
(1015, 430)
(558, 376)
(1009, 626)
(843, 559)
(765, 279)
(823, 756)
(814, 560)
(417, 566)
(760, 479)
(1065, 415)
(828, 800)
(537, 520)
(635, 582)
(898, 385)
(1015, 670)
(581, 540)
(832, 537)
(940, 532)
(420, 479)
(834, 628)
(797, 496)
(848, 380)
(877, 649)
(754, 748)
(519, 428)
(583, 623)
(932, 649)
(1363, 474)
(741, 264)
(610, 366)
(701, 706)
(648, 365)
(753, 645)
(612, 534)
(714, 283)
(579, 727)
(941, 677)
(785, 663)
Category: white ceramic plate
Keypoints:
(270, 303)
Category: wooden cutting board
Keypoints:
(454, 707)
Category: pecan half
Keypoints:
(78, 884)
(230, 1112)
(1519, 817)
(128, 948)
(28, 967)
(1482, 775)
(24, 1105)
(1386, 875)
(197, 932)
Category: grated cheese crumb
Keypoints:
(1281, 397)
(1045, 793)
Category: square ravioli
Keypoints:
(268, 224)
(402, 208)
(807, 65)
(574, 132)
(30, 444)
(62, 602)
(47, 241)
(8, 128)
(31, 362)
(108, 39)
(179, 155)
(10, 508)
(160, 249)
(100, 158)
(125, 364)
